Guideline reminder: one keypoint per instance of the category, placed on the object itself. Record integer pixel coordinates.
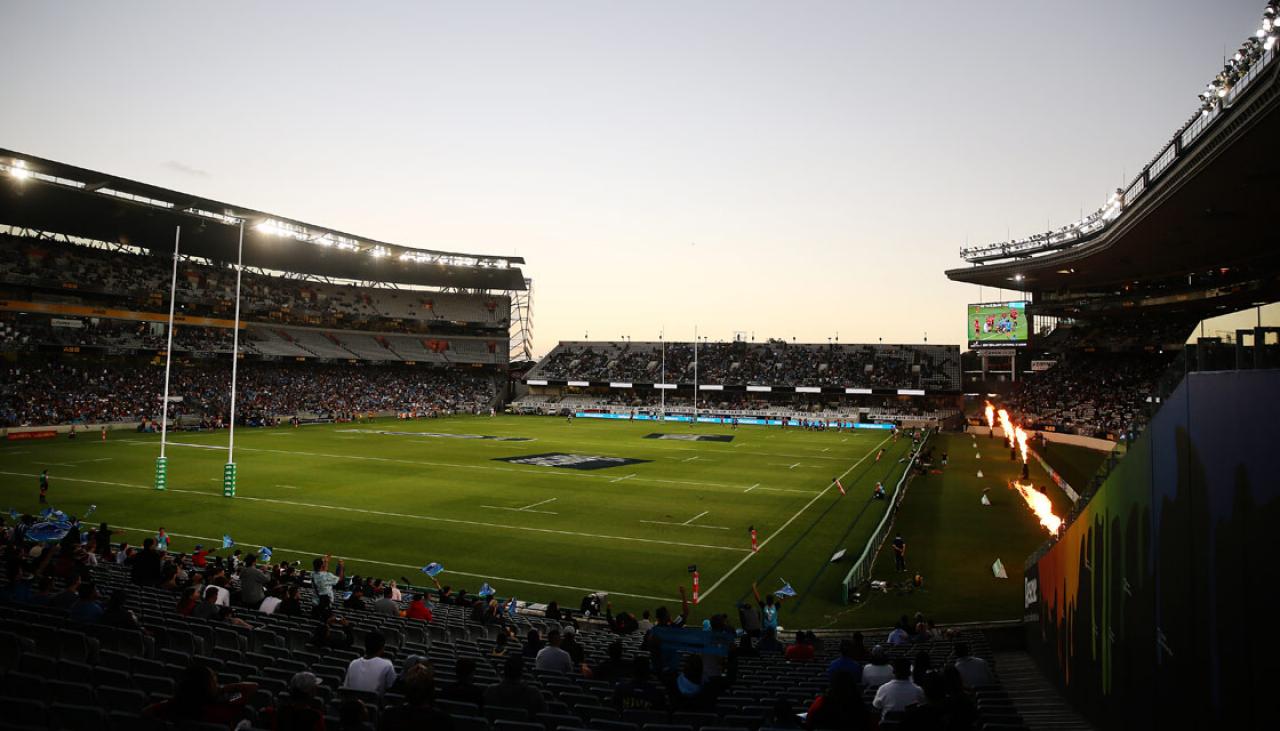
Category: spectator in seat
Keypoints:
(198, 697)
(273, 600)
(749, 619)
(847, 662)
(973, 670)
(533, 643)
(253, 582)
(840, 707)
(900, 692)
(877, 671)
(208, 609)
(291, 605)
(569, 643)
(65, 598)
(372, 673)
(418, 711)
(464, 689)
(144, 567)
(801, 650)
(301, 709)
(188, 601)
(513, 691)
(385, 605)
(769, 642)
(553, 658)
(86, 608)
(418, 609)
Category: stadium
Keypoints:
(262, 473)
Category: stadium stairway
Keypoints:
(1037, 701)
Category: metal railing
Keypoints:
(860, 572)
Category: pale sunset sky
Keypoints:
(788, 169)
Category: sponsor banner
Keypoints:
(580, 384)
(22, 435)
(692, 437)
(571, 461)
(873, 426)
(435, 435)
(665, 386)
(63, 322)
(709, 387)
(1042, 365)
(536, 382)
(759, 389)
(620, 384)
(808, 389)
(911, 392)
(866, 391)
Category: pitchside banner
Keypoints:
(742, 420)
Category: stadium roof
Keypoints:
(51, 196)
(1206, 202)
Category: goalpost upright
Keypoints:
(162, 462)
(229, 470)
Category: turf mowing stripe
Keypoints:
(535, 471)
(783, 527)
(408, 566)
(430, 518)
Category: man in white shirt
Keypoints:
(373, 672)
(269, 604)
(900, 692)
(973, 670)
(552, 657)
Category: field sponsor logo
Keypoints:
(435, 435)
(570, 461)
(692, 437)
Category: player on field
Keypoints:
(44, 487)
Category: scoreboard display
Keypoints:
(998, 325)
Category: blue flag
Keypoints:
(264, 554)
(13, 513)
(511, 608)
(786, 590)
(226, 541)
(46, 513)
(486, 590)
(89, 512)
(432, 569)
(48, 532)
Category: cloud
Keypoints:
(186, 169)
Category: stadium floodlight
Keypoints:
(1017, 277)
(19, 170)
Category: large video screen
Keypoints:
(998, 325)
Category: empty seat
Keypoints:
(505, 713)
(128, 700)
(77, 717)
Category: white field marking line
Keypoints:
(534, 471)
(749, 489)
(624, 477)
(403, 565)
(16, 451)
(543, 502)
(826, 449)
(699, 515)
(290, 487)
(684, 525)
(783, 527)
(519, 510)
(84, 461)
(428, 518)
(690, 459)
(842, 441)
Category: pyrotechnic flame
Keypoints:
(991, 416)
(1021, 437)
(1006, 425)
(1041, 506)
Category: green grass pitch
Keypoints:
(390, 503)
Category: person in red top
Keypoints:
(198, 697)
(200, 558)
(802, 650)
(418, 609)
